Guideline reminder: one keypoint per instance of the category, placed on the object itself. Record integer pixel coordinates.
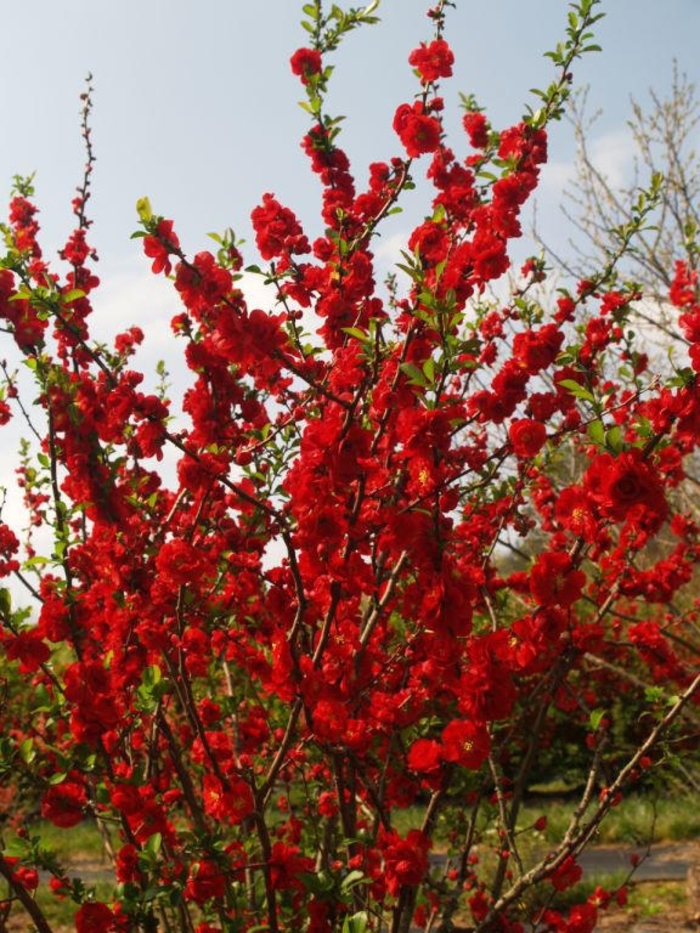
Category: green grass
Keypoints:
(650, 899)
(638, 819)
(59, 912)
(82, 841)
(74, 848)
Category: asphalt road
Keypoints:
(669, 862)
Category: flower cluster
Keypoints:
(387, 565)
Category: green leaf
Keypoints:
(596, 718)
(58, 778)
(352, 879)
(577, 390)
(143, 209)
(415, 375)
(72, 295)
(613, 438)
(358, 923)
(596, 432)
(317, 883)
(653, 695)
(358, 334)
(16, 848)
(154, 844)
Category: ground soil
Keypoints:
(659, 906)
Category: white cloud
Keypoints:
(556, 178)
(388, 250)
(613, 155)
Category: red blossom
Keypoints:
(94, 917)
(29, 648)
(432, 61)
(425, 756)
(405, 860)
(684, 288)
(419, 132)
(64, 804)
(231, 803)
(205, 882)
(527, 437)
(554, 581)
(287, 864)
(477, 129)
(566, 875)
(465, 743)
(625, 487)
(159, 246)
(277, 230)
(306, 63)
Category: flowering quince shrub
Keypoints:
(247, 676)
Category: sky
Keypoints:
(195, 107)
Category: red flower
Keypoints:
(684, 288)
(64, 804)
(160, 245)
(202, 283)
(287, 864)
(424, 756)
(417, 131)
(127, 864)
(566, 875)
(554, 582)
(432, 61)
(179, 562)
(465, 743)
(527, 437)
(305, 63)
(582, 918)
(574, 510)
(536, 349)
(26, 877)
(625, 483)
(94, 917)
(277, 230)
(405, 860)
(205, 882)
(431, 242)
(29, 648)
(477, 128)
(9, 545)
(232, 804)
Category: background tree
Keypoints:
(664, 134)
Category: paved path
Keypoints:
(668, 862)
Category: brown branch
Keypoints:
(25, 898)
